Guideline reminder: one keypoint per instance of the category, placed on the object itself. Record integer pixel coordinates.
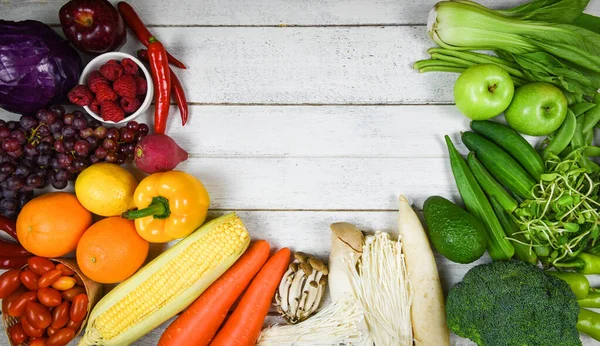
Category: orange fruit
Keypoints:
(50, 225)
(111, 250)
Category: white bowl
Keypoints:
(101, 60)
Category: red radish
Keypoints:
(158, 153)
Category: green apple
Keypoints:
(537, 109)
(483, 91)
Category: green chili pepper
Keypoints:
(584, 263)
(523, 252)
(563, 136)
(578, 282)
(591, 301)
(588, 322)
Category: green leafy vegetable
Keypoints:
(557, 11)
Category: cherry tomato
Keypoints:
(31, 330)
(38, 342)
(64, 283)
(40, 265)
(51, 331)
(69, 294)
(60, 315)
(17, 306)
(61, 337)
(65, 270)
(30, 280)
(37, 315)
(79, 307)
(49, 278)
(49, 296)
(6, 302)
(17, 334)
(74, 325)
(9, 282)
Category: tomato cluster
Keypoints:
(49, 301)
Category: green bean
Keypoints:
(563, 136)
(592, 116)
(592, 151)
(581, 107)
(430, 62)
(577, 140)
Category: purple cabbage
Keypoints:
(37, 66)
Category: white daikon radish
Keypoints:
(382, 288)
(428, 308)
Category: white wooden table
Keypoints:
(305, 112)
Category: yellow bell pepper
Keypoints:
(171, 205)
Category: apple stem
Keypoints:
(492, 88)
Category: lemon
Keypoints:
(105, 189)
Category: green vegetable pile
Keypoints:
(544, 40)
(512, 304)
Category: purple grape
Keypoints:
(65, 160)
(54, 164)
(12, 125)
(68, 131)
(68, 118)
(122, 150)
(42, 114)
(111, 157)
(4, 132)
(23, 170)
(130, 150)
(144, 129)
(2, 122)
(113, 133)
(109, 144)
(31, 150)
(15, 183)
(133, 125)
(3, 177)
(7, 168)
(6, 193)
(94, 143)
(120, 159)
(6, 158)
(34, 180)
(57, 110)
(9, 204)
(100, 152)
(81, 147)
(19, 136)
(28, 122)
(61, 175)
(100, 132)
(43, 160)
(79, 123)
(94, 159)
(60, 184)
(71, 169)
(44, 147)
(139, 136)
(86, 133)
(69, 143)
(11, 145)
(43, 131)
(78, 113)
(127, 135)
(79, 164)
(59, 146)
(16, 154)
(47, 139)
(56, 127)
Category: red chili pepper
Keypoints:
(10, 249)
(176, 89)
(133, 20)
(12, 262)
(9, 227)
(161, 76)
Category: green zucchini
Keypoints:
(500, 164)
(490, 185)
(523, 252)
(478, 205)
(511, 141)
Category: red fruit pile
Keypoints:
(114, 91)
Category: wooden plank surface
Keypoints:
(261, 13)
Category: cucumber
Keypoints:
(500, 164)
(478, 205)
(490, 185)
(523, 252)
(513, 143)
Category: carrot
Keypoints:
(244, 325)
(200, 322)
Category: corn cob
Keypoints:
(168, 284)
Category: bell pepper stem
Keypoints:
(158, 208)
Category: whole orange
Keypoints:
(111, 250)
(50, 225)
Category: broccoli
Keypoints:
(513, 304)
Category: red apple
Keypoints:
(93, 26)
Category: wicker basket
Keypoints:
(92, 288)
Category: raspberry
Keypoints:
(111, 111)
(130, 104)
(105, 93)
(111, 70)
(125, 86)
(81, 95)
(94, 79)
(129, 66)
(95, 106)
(142, 85)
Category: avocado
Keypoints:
(454, 233)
